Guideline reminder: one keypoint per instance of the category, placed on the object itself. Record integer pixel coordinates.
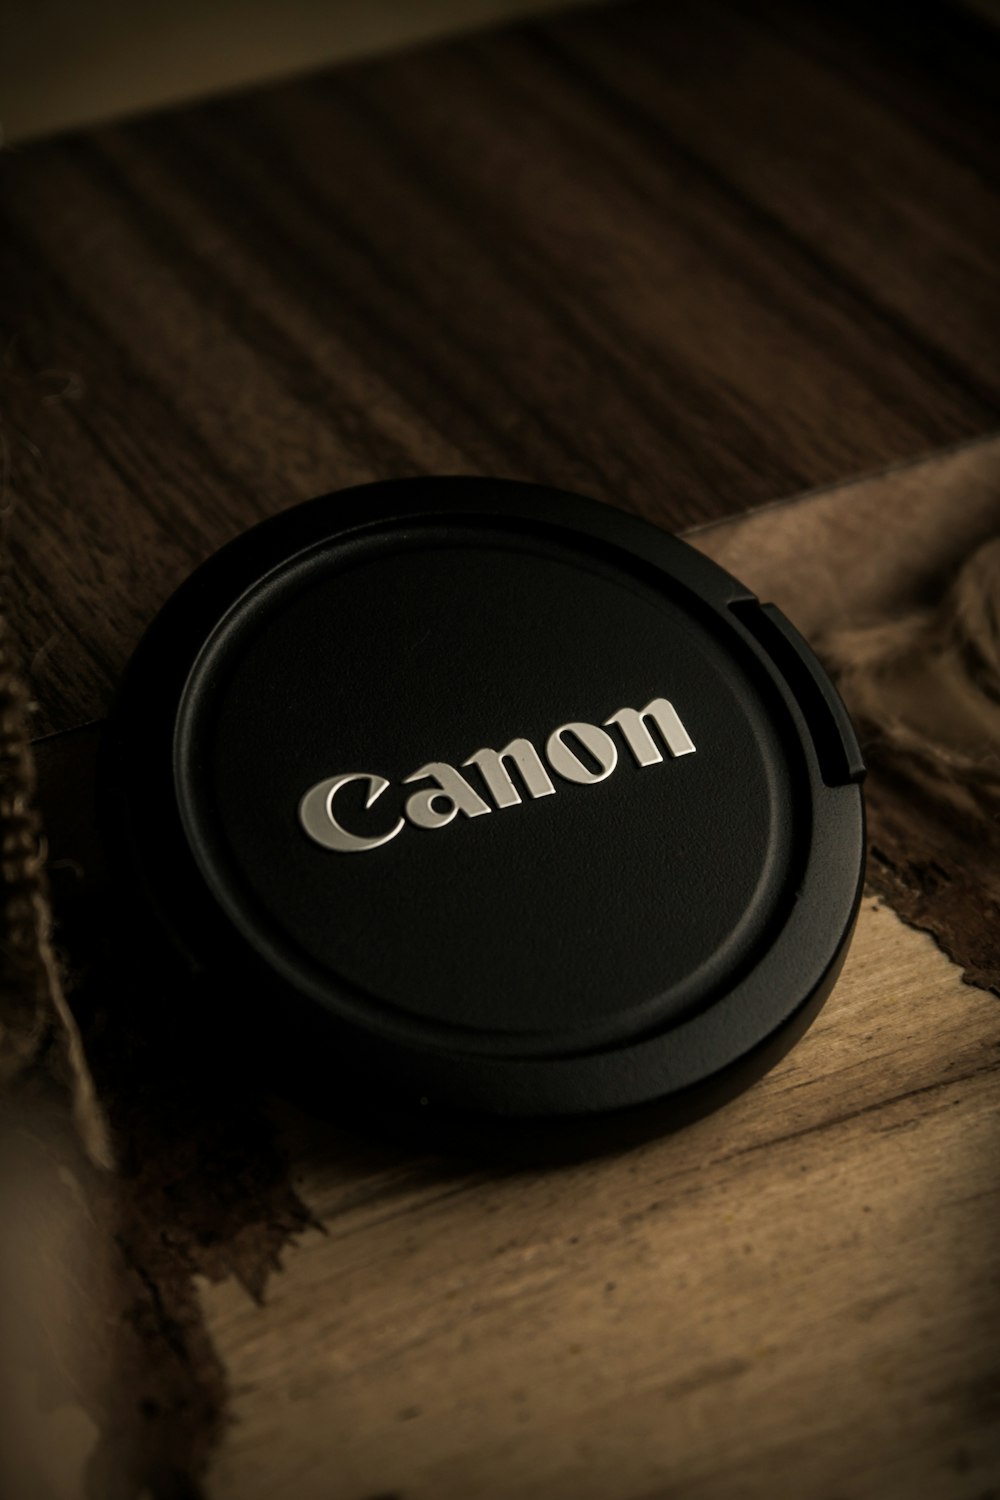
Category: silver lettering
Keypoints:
(451, 788)
(449, 793)
(565, 762)
(638, 738)
(317, 816)
(498, 779)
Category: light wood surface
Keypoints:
(798, 1296)
(869, 550)
(864, 555)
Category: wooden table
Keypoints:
(688, 259)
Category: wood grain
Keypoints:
(867, 551)
(689, 259)
(683, 258)
(860, 556)
(798, 1295)
(793, 1297)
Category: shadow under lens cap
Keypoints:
(508, 810)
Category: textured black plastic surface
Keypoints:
(651, 939)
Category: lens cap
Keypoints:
(506, 811)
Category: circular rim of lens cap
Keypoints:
(395, 1045)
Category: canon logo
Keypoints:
(447, 792)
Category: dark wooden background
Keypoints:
(686, 257)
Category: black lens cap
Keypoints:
(507, 812)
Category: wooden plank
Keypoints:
(672, 257)
(687, 259)
(794, 1296)
(851, 183)
(932, 62)
(869, 554)
(867, 551)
